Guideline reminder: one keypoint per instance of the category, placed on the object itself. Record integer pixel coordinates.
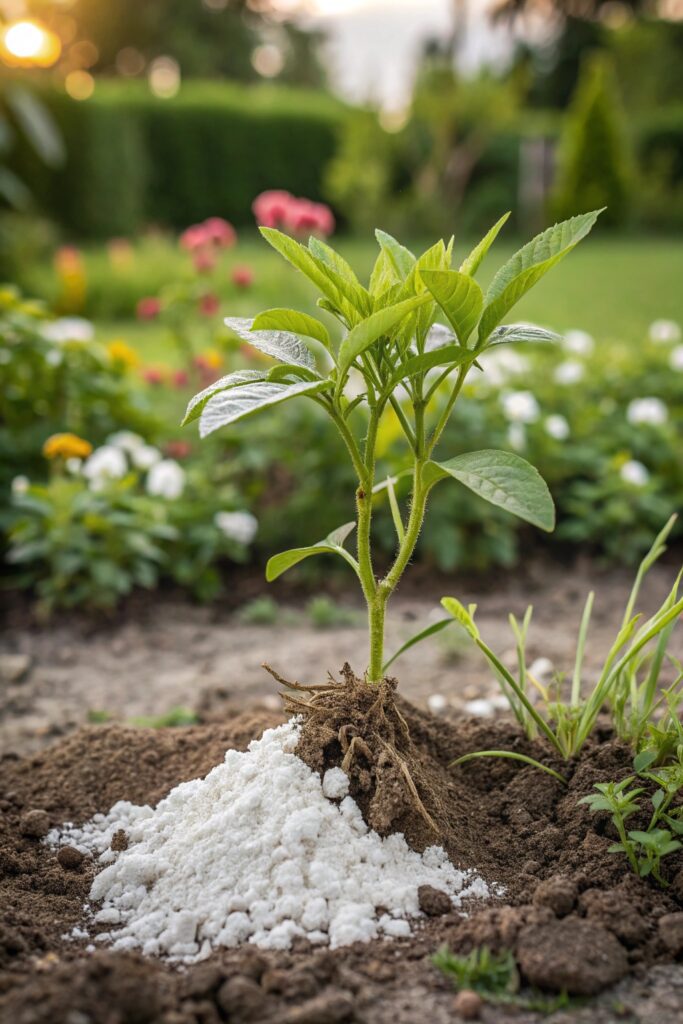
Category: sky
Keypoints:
(373, 45)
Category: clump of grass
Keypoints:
(493, 976)
(174, 718)
(324, 613)
(262, 611)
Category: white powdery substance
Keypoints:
(258, 852)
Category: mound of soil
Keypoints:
(573, 914)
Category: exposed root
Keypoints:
(359, 727)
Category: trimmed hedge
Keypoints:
(134, 159)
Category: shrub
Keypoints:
(224, 144)
(594, 160)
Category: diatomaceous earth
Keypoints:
(262, 851)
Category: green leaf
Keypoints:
(236, 403)
(333, 543)
(509, 334)
(504, 480)
(383, 276)
(402, 259)
(342, 276)
(450, 355)
(470, 265)
(231, 380)
(314, 269)
(373, 327)
(281, 345)
(528, 265)
(465, 616)
(436, 627)
(460, 298)
(294, 322)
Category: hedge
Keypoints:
(134, 159)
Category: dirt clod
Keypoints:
(433, 902)
(671, 932)
(468, 1004)
(571, 955)
(558, 893)
(119, 841)
(242, 999)
(332, 1007)
(34, 824)
(70, 858)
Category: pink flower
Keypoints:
(220, 232)
(153, 375)
(204, 261)
(243, 276)
(305, 217)
(194, 237)
(148, 308)
(209, 304)
(180, 379)
(271, 208)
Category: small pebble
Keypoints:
(433, 902)
(468, 1005)
(437, 703)
(34, 824)
(70, 858)
(542, 669)
(480, 708)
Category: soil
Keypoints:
(162, 653)
(572, 913)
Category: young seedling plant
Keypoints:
(409, 339)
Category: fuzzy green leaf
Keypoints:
(232, 380)
(373, 327)
(229, 406)
(510, 334)
(470, 265)
(294, 322)
(281, 345)
(450, 355)
(523, 270)
(503, 479)
(402, 259)
(332, 544)
(460, 298)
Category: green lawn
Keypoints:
(612, 287)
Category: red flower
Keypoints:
(305, 217)
(178, 449)
(180, 379)
(148, 308)
(209, 304)
(194, 237)
(243, 276)
(154, 375)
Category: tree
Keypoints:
(595, 164)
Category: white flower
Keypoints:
(557, 426)
(69, 328)
(520, 406)
(105, 463)
(438, 335)
(238, 526)
(664, 331)
(569, 372)
(126, 440)
(20, 485)
(517, 436)
(53, 357)
(676, 358)
(166, 479)
(145, 456)
(73, 465)
(580, 343)
(647, 410)
(633, 472)
(499, 365)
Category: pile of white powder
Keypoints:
(262, 851)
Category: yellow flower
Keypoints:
(212, 359)
(66, 446)
(121, 353)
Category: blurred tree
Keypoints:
(595, 161)
(207, 38)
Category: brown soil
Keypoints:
(572, 913)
